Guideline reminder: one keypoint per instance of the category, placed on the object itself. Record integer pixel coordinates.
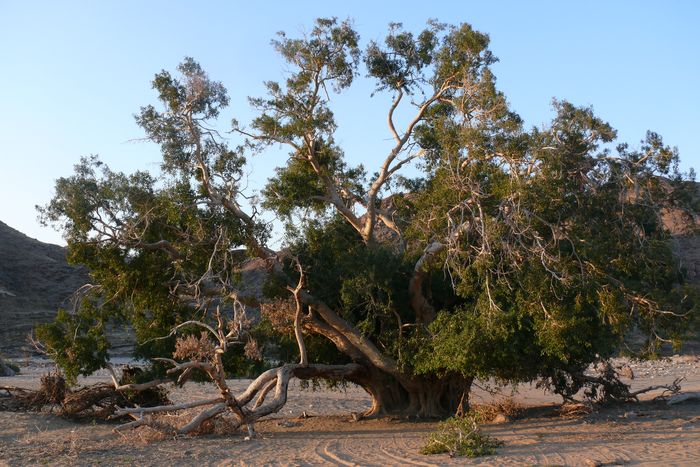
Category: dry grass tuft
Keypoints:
(575, 409)
(193, 348)
(47, 445)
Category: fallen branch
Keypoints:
(669, 389)
(164, 408)
(276, 379)
(100, 400)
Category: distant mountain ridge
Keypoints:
(35, 280)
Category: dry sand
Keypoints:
(648, 433)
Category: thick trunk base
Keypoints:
(412, 398)
(421, 398)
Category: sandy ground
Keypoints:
(647, 433)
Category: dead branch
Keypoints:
(253, 403)
(164, 408)
(276, 379)
(99, 400)
(669, 389)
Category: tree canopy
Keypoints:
(475, 248)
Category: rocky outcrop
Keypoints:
(688, 250)
(35, 280)
(685, 231)
(6, 370)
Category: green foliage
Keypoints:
(399, 66)
(366, 283)
(460, 436)
(297, 185)
(76, 342)
(144, 240)
(561, 264)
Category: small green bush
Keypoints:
(460, 436)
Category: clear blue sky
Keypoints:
(74, 73)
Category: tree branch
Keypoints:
(425, 312)
(386, 169)
(298, 315)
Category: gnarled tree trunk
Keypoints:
(416, 397)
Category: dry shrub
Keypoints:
(280, 313)
(53, 388)
(507, 406)
(193, 348)
(52, 391)
(96, 401)
(252, 350)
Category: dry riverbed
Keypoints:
(648, 433)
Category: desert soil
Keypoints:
(646, 433)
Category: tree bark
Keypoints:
(421, 398)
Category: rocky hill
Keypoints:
(35, 280)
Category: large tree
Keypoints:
(475, 248)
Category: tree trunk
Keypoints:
(423, 398)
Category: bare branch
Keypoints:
(132, 387)
(387, 169)
(297, 318)
(425, 313)
(390, 118)
(163, 245)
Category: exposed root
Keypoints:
(249, 406)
